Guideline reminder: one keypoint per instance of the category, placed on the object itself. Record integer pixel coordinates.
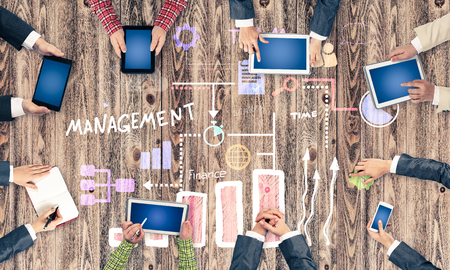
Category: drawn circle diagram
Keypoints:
(195, 37)
(217, 132)
(374, 117)
(237, 157)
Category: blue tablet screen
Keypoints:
(386, 80)
(159, 217)
(51, 82)
(383, 214)
(138, 54)
(282, 53)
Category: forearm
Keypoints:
(106, 14)
(186, 255)
(119, 258)
(169, 13)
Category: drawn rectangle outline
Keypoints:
(256, 174)
(219, 217)
(163, 243)
(180, 196)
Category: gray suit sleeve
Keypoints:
(247, 253)
(407, 258)
(297, 254)
(13, 29)
(241, 9)
(4, 173)
(324, 15)
(14, 242)
(427, 169)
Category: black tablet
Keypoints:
(52, 82)
(138, 58)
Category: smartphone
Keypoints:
(383, 213)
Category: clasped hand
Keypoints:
(270, 219)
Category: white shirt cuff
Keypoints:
(255, 235)
(436, 96)
(11, 174)
(244, 23)
(30, 40)
(394, 164)
(16, 107)
(317, 36)
(416, 43)
(289, 235)
(31, 231)
(393, 247)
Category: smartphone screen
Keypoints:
(382, 214)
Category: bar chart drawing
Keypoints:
(155, 156)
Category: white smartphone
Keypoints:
(383, 213)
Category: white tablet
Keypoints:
(284, 54)
(162, 217)
(384, 80)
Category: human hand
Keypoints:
(25, 174)
(375, 168)
(129, 230)
(248, 40)
(315, 48)
(424, 91)
(30, 108)
(381, 236)
(186, 231)
(39, 223)
(279, 228)
(403, 53)
(269, 215)
(158, 39)
(118, 42)
(42, 47)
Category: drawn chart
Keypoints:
(197, 214)
(166, 157)
(229, 213)
(374, 117)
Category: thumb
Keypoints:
(56, 52)
(31, 185)
(153, 44)
(262, 39)
(380, 227)
(267, 226)
(49, 212)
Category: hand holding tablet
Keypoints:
(138, 58)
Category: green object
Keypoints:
(358, 181)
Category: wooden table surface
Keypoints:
(420, 217)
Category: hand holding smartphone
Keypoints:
(383, 213)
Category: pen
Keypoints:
(139, 231)
(51, 217)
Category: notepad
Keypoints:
(52, 191)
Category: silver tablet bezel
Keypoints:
(251, 60)
(185, 207)
(384, 64)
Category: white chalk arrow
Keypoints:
(148, 185)
(334, 167)
(316, 187)
(213, 113)
(305, 158)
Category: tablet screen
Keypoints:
(387, 80)
(138, 54)
(159, 217)
(52, 82)
(283, 53)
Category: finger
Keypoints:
(39, 171)
(251, 49)
(132, 229)
(161, 41)
(360, 173)
(55, 51)
(411, 84)
(122, 45)
(267, 226)
(273, 222)
(49, 212)
(245, 47)
(258, 54)
(38, 167)
(262, 39)
(364, 160)
(140, 237)
(154, 42)
(241, 44)
(125, 225)
(368, 224)
(415, 100)
(116, 47)
(368, 181)
(380, 226)
(396, 52)
(265, 216)
(359, 168)
(31, 185)
(275, 211)
(389, 224)
(415, 91)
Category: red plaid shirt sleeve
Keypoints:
(169, 12)
(105, 12)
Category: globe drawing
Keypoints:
(237, 157)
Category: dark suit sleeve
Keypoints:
(247, 253)
(427, 169)
(4, 173)
(13, 29)
(14, 242)
(5, 108)
(241, 9)
(407, 258)
(297, 254)
(324, 15)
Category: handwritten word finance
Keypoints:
(131, 122)
(202, 176)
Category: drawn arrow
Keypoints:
(147, 185)
(334, 167)
(213, 112)
(305, 158)
(316, 187)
